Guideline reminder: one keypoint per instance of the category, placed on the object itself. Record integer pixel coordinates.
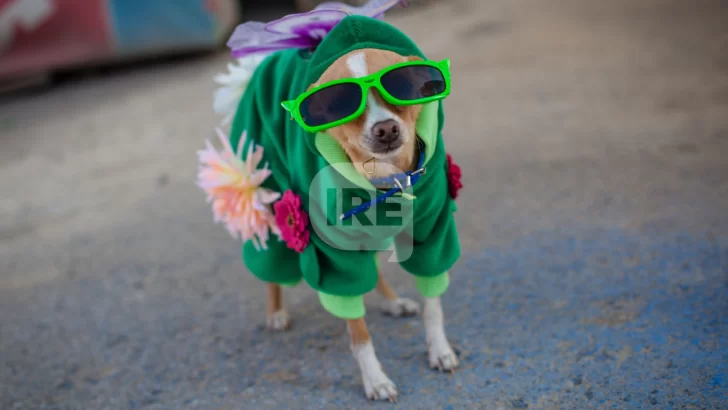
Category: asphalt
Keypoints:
(593, 138)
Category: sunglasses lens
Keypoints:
(330, 104)
(414, 82)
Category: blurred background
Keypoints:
(593, 137)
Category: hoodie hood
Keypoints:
(356, 33)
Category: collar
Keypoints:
(398, 183)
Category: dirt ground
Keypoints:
(593, 136)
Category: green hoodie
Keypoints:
(309, 165)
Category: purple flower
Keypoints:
(305, 30)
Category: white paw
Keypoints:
(400, 307)
(442, 356)
(377, 386)
(439, 351)
(278, 321)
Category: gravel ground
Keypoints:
(593, 136)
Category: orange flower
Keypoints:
(233, 187)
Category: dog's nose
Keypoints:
(386, 131)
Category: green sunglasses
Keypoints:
(340, 101)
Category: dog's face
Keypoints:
(385, 131)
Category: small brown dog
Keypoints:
(365, 96)
(395, 150)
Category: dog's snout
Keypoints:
(386, 131)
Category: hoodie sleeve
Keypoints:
(432, 243)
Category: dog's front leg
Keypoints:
(439, 351)
(377, 385)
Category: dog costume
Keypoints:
(338, 258)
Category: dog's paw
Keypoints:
(278, 321)
(400, 307)
(377, 386)
(442, 357)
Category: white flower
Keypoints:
(232, 85)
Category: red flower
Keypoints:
(292, 221)
(453, 177)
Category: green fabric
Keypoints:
(297, 159)
(290, 284)
(343, 307)
(278, 264)
(432, 286)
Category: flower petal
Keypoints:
(373, 8)
(291, 23)
(267, 196)
(304, 30)
(233, 188)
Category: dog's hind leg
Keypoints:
(377, 385)
(392, 304)
(277, 317)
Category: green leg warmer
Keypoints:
(432, 286)
(343, 307)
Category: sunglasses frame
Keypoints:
(365, 83)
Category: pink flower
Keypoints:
(233, 187)
(292, 221)
(454, 174)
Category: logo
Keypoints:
(350, 214)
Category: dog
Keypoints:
(385, 132)
(383, 140)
